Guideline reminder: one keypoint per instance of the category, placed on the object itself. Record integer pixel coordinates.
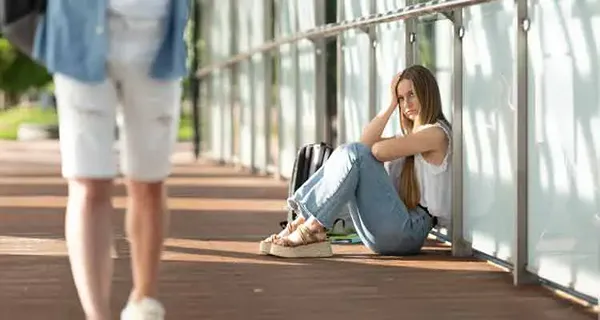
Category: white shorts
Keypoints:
(149, 109)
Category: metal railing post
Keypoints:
(341, 123)
(320, 56)
(520, 273)
(460, 247)
(371, 31)
(194, 82)
(267, 87)
(410, 31)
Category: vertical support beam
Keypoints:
(252, 115)
(372, 65)
(295, 52)
(331, 63)
(411, 37)
(193, 81)
(268, 80)
(247, 113)
(341, 123)
(520, 273)
(320, 75)
(233, 93)
(205, 83)
(460, 247)
(279, 6)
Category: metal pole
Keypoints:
(320, 76)
(520, 273)
(295, 53)
(268, 84)
(194, 82)
(460, 247)
(340, 121)
(278, 67)
(233, 84)
(373, 107)
(410, 33)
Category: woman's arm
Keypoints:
(428, 139)
(373, 131)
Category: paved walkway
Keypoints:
(211, 269)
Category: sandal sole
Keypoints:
(264, 247)
(314, 250)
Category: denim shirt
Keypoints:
(71, 40)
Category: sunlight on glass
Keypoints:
(306, 10)
(544, 175)
(390, 55)
(470, 152)
(581, 50)
(583, 171)
(535, 49)
(555, 268)
(554, 34)
(480, 40)
(483, 134)
(443, 48)
(505, 153)
(560, 118)
(595, 24)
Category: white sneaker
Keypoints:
(145, 309)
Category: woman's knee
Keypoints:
(356, 148)
(91, 191)
(144, 191)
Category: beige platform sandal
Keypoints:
(264, 247)
(313, 245)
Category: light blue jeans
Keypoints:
(353, 176)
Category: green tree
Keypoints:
(18, 73)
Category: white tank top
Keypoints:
(142, 9)
(434, 180)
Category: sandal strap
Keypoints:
(290, 227)
(307, 235)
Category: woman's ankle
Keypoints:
(291, 226)
(314, 225)
(298, 221)
(137, 295)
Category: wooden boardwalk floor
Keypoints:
(211, 269)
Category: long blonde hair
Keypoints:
(428, 94)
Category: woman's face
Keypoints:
(407, 99)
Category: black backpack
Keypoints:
(309, 159)
(19, 20)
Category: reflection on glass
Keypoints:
(489, 178)
(564, 153)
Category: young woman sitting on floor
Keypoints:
(394, 208)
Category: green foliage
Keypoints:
(18, 73)
(11, 119)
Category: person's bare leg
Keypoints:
(89, 238)
(146, 223)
